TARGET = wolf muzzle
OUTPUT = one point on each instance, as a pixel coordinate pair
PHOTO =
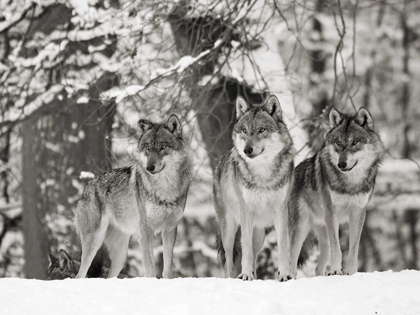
(251, 153)
(152, 169)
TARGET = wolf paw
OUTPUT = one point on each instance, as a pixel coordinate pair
(246, 276)
(284, 278)
(335, 273)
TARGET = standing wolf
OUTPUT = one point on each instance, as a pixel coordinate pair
(146, 197)
(334, 186)
(251, 186)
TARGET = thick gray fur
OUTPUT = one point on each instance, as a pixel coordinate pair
(252, 185)
(144, 198)
(334, 186)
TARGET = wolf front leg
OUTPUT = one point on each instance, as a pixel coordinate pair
(357, 220)
(333, 237)
(281, 221)
(146, 246)
(228, 229)
(247, 229)
(168, 238)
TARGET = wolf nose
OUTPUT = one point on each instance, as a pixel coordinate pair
(248, 150)
(150, 168)
(342, 165)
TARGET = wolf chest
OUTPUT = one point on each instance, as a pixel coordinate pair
(345, 203)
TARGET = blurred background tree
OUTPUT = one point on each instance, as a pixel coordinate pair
(75, 76)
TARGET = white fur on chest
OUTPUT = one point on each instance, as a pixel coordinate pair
(165, 186)
(344, 203)
(263, 203)
(157, 214)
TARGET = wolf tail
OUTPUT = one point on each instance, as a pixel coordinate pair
(307, 249)
(236, 247)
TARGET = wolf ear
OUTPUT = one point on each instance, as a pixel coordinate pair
(336, 118)
(174, 125)
(144, 125)
(364, 119)
(64, 260)
(272, 107)
(241, 106)
(52, 259)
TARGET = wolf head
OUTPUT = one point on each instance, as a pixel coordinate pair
(62, 267)
(352, 141)
(158, 143)
(259, 131)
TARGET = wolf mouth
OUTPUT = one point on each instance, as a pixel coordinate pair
(254, 156)
(348, 169)
(154, 173)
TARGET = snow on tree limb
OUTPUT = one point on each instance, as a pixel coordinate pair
(184, 63)
(121, 93)
(19, 114)
(14, 18)
(49, 53)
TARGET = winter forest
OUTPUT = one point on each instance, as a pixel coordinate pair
(77, 75)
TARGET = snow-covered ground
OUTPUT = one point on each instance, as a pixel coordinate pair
(363, 293)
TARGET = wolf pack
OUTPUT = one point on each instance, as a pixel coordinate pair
(256, 185)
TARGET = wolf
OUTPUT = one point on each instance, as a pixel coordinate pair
(332, 187)
(146, 197)
(64, 266)
(252, 185)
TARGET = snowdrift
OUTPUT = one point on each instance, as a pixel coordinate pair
(363, 293)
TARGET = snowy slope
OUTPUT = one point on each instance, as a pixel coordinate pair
(363, 293)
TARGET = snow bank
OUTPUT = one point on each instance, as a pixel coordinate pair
(363, 293)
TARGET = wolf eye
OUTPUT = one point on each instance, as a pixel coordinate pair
(147, 147)
(262, 130)
(338, 143)
(163, 147)
(355, 142)
(243, 130)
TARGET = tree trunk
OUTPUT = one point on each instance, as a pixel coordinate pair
(318, 94)
(214, 104)
(57, 146)
(405, 97)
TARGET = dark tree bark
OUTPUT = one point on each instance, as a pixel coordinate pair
(215, 104)
(412, 218)
(57, 145)
(60, 140)
(4, 157)
(406, 89)
(319, 96)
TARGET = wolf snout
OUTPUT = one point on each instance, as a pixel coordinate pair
(248, 151)
(342, 165)
(155, 168)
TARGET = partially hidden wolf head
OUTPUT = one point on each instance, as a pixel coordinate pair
(62, 267)
(160, 144)
(352, 142)
(260, 132)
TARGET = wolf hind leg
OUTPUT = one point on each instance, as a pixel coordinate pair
(91, 242)
(168, 238)
(357, 220)
(298, 231)
(117, 244)
(257, 244)
(324, 250)
(146, 245)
